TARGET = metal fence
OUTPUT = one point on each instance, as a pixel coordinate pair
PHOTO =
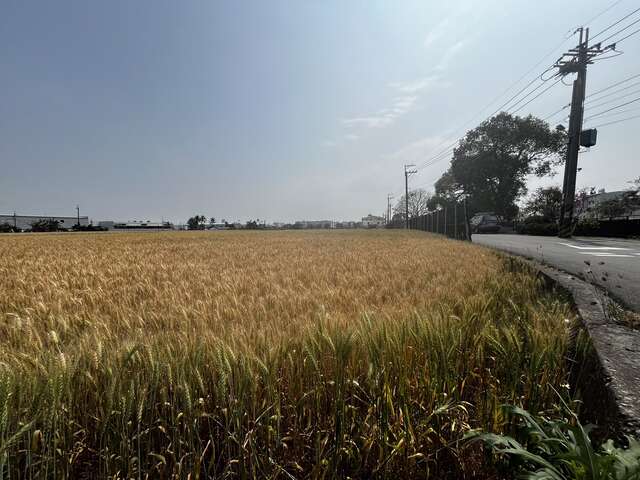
(450, 221)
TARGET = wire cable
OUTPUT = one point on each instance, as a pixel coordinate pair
(525, 97)
(436, 158)
(556, 112)
(444, 153)
(616, 121)
(612, 100)
(620, 31)
(602, 12)
(612, 114)
(613, 24)
(613, 93)
(630, 35)
(616, 107)
(509, 88)
(541, 93)
(612, 86)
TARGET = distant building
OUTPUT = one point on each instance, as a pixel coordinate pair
(588, 206)
(135, 225)
(373, 221)
(347, 224)
(308, 224)
(24, 222)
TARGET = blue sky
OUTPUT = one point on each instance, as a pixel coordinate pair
(279, 110)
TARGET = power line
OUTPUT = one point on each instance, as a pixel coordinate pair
(602, 12)
(614, 85)
(615, 92)
(620, 31)
(617, 121)
(612, 114)
(444, 153)
(541, 93)
(564, 40)
(630, 35)
(525, 97)
(427, 163)
(616, 107)
(614, 24)
(556, 112)
(612, 100)
(438, 156)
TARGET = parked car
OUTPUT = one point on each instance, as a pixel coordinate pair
(485, 222)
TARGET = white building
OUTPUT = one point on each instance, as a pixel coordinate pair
(135, 225)
(24, 222)
(373, 221)
(588, 206)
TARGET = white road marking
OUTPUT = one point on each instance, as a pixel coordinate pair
(592, 248)
(607, 254)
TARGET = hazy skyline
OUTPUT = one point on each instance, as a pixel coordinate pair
(273, 110)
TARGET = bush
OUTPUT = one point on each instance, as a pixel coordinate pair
(7, 228)
(537, 225)
(559, 450)
(47, 225)
(89, 228)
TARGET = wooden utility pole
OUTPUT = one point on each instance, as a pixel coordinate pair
(575, 61)
(407, 174)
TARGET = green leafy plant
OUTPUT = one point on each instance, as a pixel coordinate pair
(559, 450)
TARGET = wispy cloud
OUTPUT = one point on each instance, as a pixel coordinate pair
(407, 94)
(400, 106)
(448, 55)
(449, 27)
(418, 150)
(417, 85)
(437, 32)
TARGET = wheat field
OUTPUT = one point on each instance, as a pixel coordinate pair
(318, 354)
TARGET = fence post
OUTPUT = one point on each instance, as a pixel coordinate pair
(445, 221)
(455, 219)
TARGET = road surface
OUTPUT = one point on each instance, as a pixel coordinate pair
(611, 263)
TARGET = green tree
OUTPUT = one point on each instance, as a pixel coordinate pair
(7, 228)
(46, 225)
(544, 203)
(418, 204)
(492, 161)
(197, 222)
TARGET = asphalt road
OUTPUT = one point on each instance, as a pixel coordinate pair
(611, 263)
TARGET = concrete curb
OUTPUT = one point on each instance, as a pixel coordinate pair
(610, 387)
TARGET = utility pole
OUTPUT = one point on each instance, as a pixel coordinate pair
(407, 174)
(575, 61)
(78, 210)
(389, 198)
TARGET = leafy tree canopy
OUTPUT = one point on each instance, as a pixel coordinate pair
(197, 222)
(544, 203)
(492, 161)
(418, 204)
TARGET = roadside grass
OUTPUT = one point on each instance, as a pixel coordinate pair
(266, 354)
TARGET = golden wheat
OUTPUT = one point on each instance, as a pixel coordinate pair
(263, 354)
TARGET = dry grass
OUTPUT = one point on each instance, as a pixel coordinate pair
(253, 355)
